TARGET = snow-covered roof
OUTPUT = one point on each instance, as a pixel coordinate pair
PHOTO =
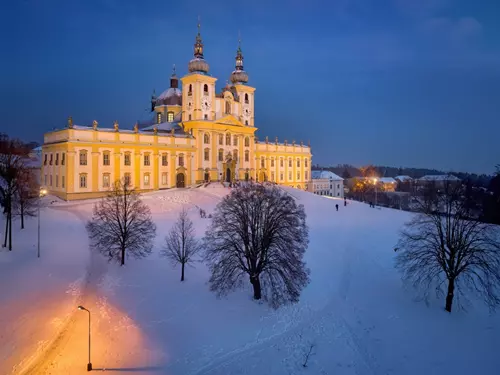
(325, 175)
(387, 180)
(442, 177)
(403, 178)
(169, 93)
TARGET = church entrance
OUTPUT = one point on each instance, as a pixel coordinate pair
(180, 180)
(246, 176)
(228, 175)
(207, 176)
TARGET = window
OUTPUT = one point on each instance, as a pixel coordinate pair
(45, 159)
(205, 89)
(290, 163)
(207, 154)
(127, 179)
(57, 159)
(281, 162)
(205, 117)
(158, 118)
(246, 98)
(262, 162)
(62, 180)
(281, 176)
(83, 158)
(228, 139)
(272, 176)
(298, 175)
(105, 158)
(228, 107)
(221, 154)
(164, 178)
(246, 122)
(298, 163)
(235, 140)
(50, 162)
(305, 162)
(206, 139)
(181, 160)
(338, 186)
(83, 180)
(146, 179)
(126, 161)
(190, 91)
(147, 162)
(289, 175)
(170, 116)
(105, 180)
(221, 139)
(57, 181)
(306, 175)
(247, 155)
(272, 162)
(164, 160)
(235, 155)
(189, 117)
(247, 142)
(63, 158)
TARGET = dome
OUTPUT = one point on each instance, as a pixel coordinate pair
(171, 96)
(239, 76)
(198, 65)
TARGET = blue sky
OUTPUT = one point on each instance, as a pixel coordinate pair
(393, 82)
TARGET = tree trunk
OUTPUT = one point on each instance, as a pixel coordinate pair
(6, 230)
(449, 296)
(182, 272)
(22, 215)
(123, 256)
(10, 230)
(256, 287)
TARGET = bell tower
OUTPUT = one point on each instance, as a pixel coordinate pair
(198, 102)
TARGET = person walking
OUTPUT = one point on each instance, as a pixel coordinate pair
(337, 207)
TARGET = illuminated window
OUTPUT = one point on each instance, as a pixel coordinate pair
(127, 180)
(247, 155)
(105, 158)
(158, 118)
(83, 157)
(83, 180)
(206, 139)
(170, 116)
(126, 160)
(298, 175)
(105, 180)
(164, 178)
(164, 160)
(146, 179)
(207, 154)
(147, 162)
(247, 142)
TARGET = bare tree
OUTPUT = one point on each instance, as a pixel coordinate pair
(181, 244)
(12, 156)
(441, 247)
(27, 196)
(121, 224)
(258, 231)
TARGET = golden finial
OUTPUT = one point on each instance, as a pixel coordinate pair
(115, 125)
(94, 124)
(70, 122)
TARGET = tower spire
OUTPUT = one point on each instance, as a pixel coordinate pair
(198, 64)
(239, 75)
(174, 81)
(198, 45)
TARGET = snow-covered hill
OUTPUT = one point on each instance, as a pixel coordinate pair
(354, 317)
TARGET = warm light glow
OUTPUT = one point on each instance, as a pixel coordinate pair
(43, 192)
(375, 180)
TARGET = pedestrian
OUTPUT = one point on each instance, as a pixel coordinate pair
(345, 203)
(337, 207)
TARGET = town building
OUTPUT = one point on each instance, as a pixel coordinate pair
(437, 181)
(326, 183)
(194, 135)
(386, 183)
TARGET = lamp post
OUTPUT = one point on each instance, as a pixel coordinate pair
(376, 195)
(40, 195)
(89, 365)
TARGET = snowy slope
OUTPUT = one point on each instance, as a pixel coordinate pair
(354, 317)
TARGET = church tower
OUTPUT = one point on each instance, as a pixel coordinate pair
(239, 79)
(198, 101)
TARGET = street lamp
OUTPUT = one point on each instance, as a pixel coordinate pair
(89, 365)
(41, 194)
(376, 196)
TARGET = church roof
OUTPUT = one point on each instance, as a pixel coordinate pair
(171, 96)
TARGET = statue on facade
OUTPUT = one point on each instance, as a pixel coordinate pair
(115, 125)
(256, 139)
(286, 142)
(70, 122)
(94, 125)
(293, 142)
(155, 130)
(267, 140)
(276, 140)
(301, 143)
(172, 131)
(136, 128)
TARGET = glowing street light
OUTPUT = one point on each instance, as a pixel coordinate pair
(376, 195)
(89, 365)
(41, 194)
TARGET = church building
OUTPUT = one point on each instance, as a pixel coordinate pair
(195, 135)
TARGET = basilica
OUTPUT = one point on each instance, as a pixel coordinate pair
(195, 135)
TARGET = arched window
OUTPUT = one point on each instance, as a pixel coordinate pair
(170, 116)
(207, 154)
(221, 139)
(246, 122)
(228, 107)
(205, 89)
(190, 91)
(221, 154)
(247, 142)
(305, 163)
(246, 98)
(228, 139)
(247, 155)
(206, 138)
(83, 157)
(181, 160)
(105, 158)
(298, 163)
(235, 155)
(158, 118)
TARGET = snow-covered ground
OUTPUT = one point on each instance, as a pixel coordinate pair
(354, 317)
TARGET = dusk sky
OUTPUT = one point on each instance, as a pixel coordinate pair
(412, 83)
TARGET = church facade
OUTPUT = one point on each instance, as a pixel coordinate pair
(194, 135)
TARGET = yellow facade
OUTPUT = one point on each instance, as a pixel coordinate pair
(198, 136)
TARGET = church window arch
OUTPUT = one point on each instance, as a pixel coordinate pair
(206, 138)
(221, 139)
(170, 116)
(228, 139)
(247, 142)
(235, 155)
(190, 90)
(246, 98)
(221, 154)
(205, 89)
